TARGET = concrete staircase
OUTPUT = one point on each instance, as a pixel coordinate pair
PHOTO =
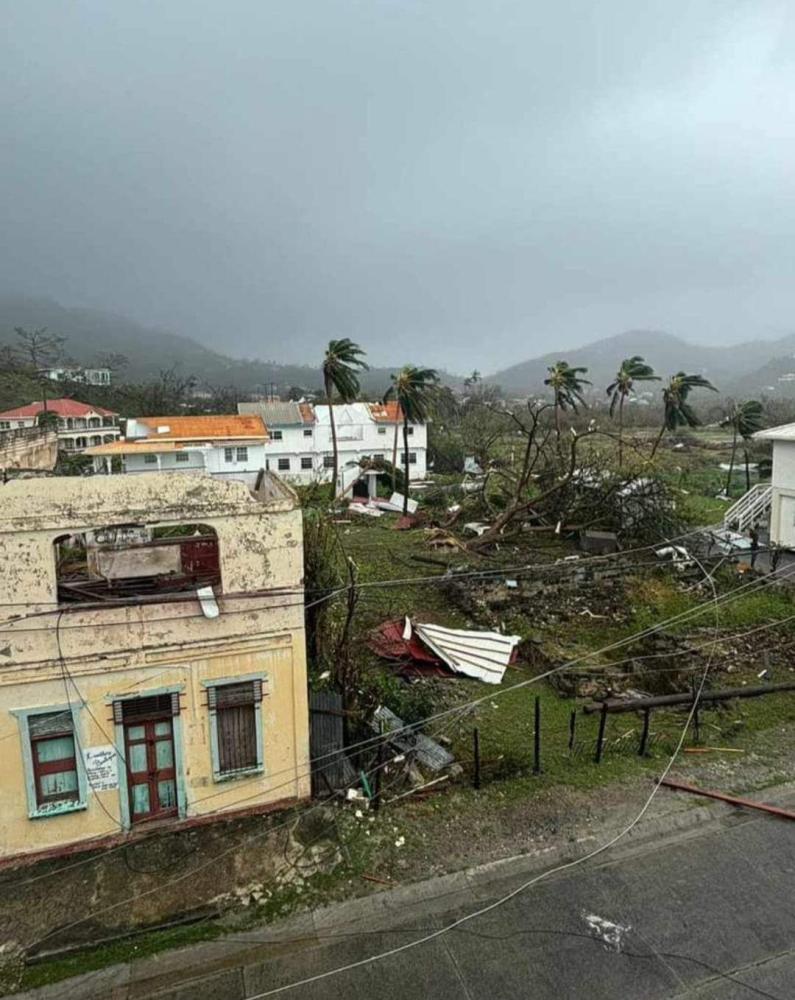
(752, 506)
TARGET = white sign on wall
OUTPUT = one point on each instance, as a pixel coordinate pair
(101, 768)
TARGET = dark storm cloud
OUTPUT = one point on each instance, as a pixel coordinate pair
(452, 182)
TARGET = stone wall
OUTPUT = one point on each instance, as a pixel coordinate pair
(29, 448)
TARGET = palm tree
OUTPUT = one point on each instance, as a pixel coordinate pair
(745, 419)
(341, 366)
(631, 370)
(567, 385)
(414, 389)
(677, 412)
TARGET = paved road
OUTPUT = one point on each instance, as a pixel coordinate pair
(706, 915)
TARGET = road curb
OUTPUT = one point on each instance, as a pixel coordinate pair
(168, 976)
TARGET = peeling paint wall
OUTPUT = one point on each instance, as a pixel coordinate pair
(51, 654)
(29, 448)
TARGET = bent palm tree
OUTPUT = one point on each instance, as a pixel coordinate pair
(414, 389)
(631, 370)
(567, 385)
(341, 366)
(677, 412)
(745, 419)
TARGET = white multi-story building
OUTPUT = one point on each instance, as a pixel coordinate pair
(227, 447)
(80, 425)
(92, 376)
(300, 447)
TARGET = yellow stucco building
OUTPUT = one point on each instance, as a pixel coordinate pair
(152, 656)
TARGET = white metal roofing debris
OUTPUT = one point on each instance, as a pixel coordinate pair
(484, 655)
(428, 751)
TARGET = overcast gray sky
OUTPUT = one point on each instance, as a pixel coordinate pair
(452, 182)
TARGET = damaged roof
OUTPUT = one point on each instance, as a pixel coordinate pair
(76, 502)
(278, 414)
(61, 407)
(181, 428)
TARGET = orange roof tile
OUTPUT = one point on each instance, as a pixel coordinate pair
(388, 412)
(204, 428)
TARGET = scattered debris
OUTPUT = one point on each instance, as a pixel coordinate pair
(678, 554)
(610, 933)
(427, 751)
(389, 641)
(599, 542)
(477, 527)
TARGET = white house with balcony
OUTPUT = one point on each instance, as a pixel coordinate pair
(300, 446)
(772, 504)
(227, 447)
(80, 425)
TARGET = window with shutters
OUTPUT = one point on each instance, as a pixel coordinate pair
(284, 465)
(306, 462)
(235, 728)
(53, 769)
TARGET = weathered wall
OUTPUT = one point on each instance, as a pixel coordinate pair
(28, 448)
(51, 655)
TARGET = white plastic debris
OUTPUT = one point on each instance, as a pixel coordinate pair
(208, 603)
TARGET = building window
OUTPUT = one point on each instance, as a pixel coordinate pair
(379, 458)
(150, 459)
(235, 727)
(277, 435)
(183, 456)
(412, 458)
(307, 432)
(284, 465)
(382, 430)
(306, 463)
(229, 454)
(328, 461)
(54, 774)
(147, 725)
(20, 423)
(52, 748)
(5, 425)
(242, 454)
(410, 430)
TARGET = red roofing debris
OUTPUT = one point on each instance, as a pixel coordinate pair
(387, 641)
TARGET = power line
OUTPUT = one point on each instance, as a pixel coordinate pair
(527, 884)
(459, 710)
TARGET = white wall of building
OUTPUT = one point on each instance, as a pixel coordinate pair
(306, 457)
(238, 461)
(782, 510)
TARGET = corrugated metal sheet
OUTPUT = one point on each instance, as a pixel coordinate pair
(484, 655)
(330, 766)
(427, 751)
(275, 414)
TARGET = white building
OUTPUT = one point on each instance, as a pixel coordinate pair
(227, 447)
(770, 504)
(80, 425)
(300, 445)
(91, 376)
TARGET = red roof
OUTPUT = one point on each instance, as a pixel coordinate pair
(61, 407)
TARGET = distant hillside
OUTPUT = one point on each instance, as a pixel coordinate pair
(726, 367)
(92, 333)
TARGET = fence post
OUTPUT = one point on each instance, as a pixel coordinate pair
(537, 737)
(476, 754)
(380, 759)
(572, 727)
(644, 736)
(600, 739)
